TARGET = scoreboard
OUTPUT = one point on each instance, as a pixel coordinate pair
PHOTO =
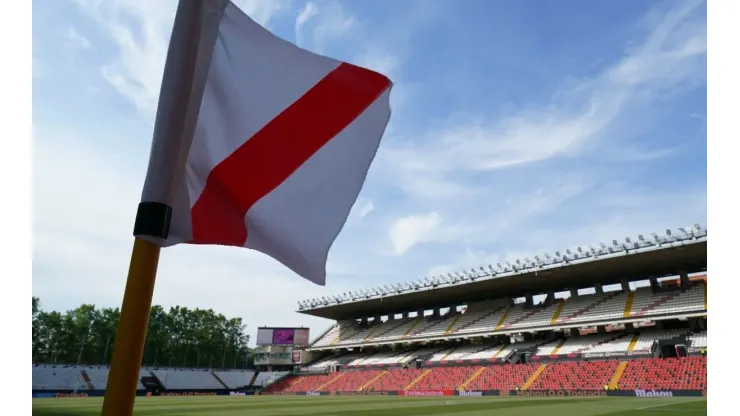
(282, 336)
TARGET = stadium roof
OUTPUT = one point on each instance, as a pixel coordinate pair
(668, 258)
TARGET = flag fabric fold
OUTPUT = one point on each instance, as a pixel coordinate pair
(280, 151)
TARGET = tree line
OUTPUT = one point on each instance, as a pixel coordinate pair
(178, 337)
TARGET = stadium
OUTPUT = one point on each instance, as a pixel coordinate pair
(618, 329)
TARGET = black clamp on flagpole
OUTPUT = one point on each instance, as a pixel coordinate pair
(153, 219)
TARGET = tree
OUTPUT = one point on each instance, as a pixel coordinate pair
(175, 337)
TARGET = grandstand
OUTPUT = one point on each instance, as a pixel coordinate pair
(66, 378)
(524, 326)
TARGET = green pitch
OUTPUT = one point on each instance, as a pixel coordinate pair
(385, 406)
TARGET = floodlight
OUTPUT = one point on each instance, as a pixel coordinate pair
(615, 243)
(668, 231)
(568, 252)
(557, 254)
(628, 240)
(580, 249)
(490, 268)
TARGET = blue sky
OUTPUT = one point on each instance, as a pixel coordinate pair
(518, 128)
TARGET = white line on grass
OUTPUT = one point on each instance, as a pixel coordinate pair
(664, 405)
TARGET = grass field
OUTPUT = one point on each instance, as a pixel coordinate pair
(385, 406)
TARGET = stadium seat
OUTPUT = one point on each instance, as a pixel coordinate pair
(396, 379)
(445, 378)
(57, 377)
(235, 378)
(503, 377)
(687, 373)
(575, 375)
(353, 380)
(187, 379)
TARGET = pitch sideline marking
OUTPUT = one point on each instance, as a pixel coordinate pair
(664, 404)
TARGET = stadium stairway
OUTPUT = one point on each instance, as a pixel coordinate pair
(522, 318)
(558, 311)
(338, 337)
(328, 383)
(373, 380)
(459, 315)
(444, 357)
(151, 373)
(418, 379)
(288, 384)
(527, 384)
(558, 347)
(500, 350)
(254, 378)
(614, 382)
(575, 375)
(628, 304)
(87, 380)
(472, 378)
(502, 377)
(501, 321)
(652, 305)
(372, 332)
(480, 318)
(396, 379)
(603, 299)
(353, 380)
(633, 343)
(391, 328)
(219, 379)
(414, 325)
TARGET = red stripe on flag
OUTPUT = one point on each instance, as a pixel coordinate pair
(269, 157)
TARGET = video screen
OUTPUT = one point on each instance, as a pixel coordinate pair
(283, 336)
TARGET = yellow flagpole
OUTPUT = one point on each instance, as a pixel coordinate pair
(194, 35)
(128, 348)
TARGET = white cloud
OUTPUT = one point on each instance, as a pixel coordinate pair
(367, 208)
(308, 11)
(75, 40)
(578, 117)
(327, 22)
(409, 231)
(140, 31)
